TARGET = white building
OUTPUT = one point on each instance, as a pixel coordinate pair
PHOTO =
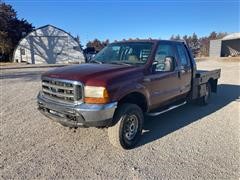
(227, 46)
(49, 45)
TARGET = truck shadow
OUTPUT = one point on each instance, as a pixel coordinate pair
(162, 125)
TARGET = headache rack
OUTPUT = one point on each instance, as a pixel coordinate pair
(62, 90)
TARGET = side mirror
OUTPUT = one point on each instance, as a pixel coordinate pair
(169, 63)
(154, 66)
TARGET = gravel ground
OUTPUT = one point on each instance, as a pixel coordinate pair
(187, 143)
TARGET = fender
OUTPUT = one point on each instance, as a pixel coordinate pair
(130, 87)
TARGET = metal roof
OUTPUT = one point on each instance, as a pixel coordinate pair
(232, 36)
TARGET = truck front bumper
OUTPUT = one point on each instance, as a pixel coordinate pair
(77, 115)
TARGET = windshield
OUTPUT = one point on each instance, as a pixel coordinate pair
(129, 53)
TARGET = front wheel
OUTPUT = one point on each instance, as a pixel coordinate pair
(128, 129)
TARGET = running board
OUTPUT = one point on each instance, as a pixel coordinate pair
(166, 110)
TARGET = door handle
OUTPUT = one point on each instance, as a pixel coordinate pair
(179, 74)
(147, 80)
(181, 71)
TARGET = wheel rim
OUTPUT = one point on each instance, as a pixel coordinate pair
(130, 127)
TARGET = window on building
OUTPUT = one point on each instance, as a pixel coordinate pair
(22, 51)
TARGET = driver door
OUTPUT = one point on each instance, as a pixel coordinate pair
(164, 85)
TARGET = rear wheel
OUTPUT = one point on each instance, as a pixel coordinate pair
(206, 98)
(128, 129)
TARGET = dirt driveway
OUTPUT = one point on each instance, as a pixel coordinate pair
(189, 142)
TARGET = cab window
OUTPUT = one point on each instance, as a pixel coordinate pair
(162, 52)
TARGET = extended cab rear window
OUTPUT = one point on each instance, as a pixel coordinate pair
(183, 56)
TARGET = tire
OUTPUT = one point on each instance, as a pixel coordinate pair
(205, 99)
(128, 129)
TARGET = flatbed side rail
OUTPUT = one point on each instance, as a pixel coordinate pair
(200, 80)
(204, 76)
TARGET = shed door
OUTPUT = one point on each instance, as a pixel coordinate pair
(49, 49)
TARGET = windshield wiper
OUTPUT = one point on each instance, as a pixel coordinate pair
(94, 61)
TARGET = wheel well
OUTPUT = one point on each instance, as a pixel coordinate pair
(213, 84)
(135, 98)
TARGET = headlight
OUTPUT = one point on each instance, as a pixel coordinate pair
(95, 95)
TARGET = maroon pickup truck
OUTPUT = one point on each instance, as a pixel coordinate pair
(121, 84)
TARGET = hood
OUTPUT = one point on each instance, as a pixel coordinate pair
(94, 74)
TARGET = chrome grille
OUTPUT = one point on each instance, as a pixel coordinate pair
(62, 90)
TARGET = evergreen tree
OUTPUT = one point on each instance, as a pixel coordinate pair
(12, 30)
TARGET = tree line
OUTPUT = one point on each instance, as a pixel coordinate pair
(97, 44)
(199, 45)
